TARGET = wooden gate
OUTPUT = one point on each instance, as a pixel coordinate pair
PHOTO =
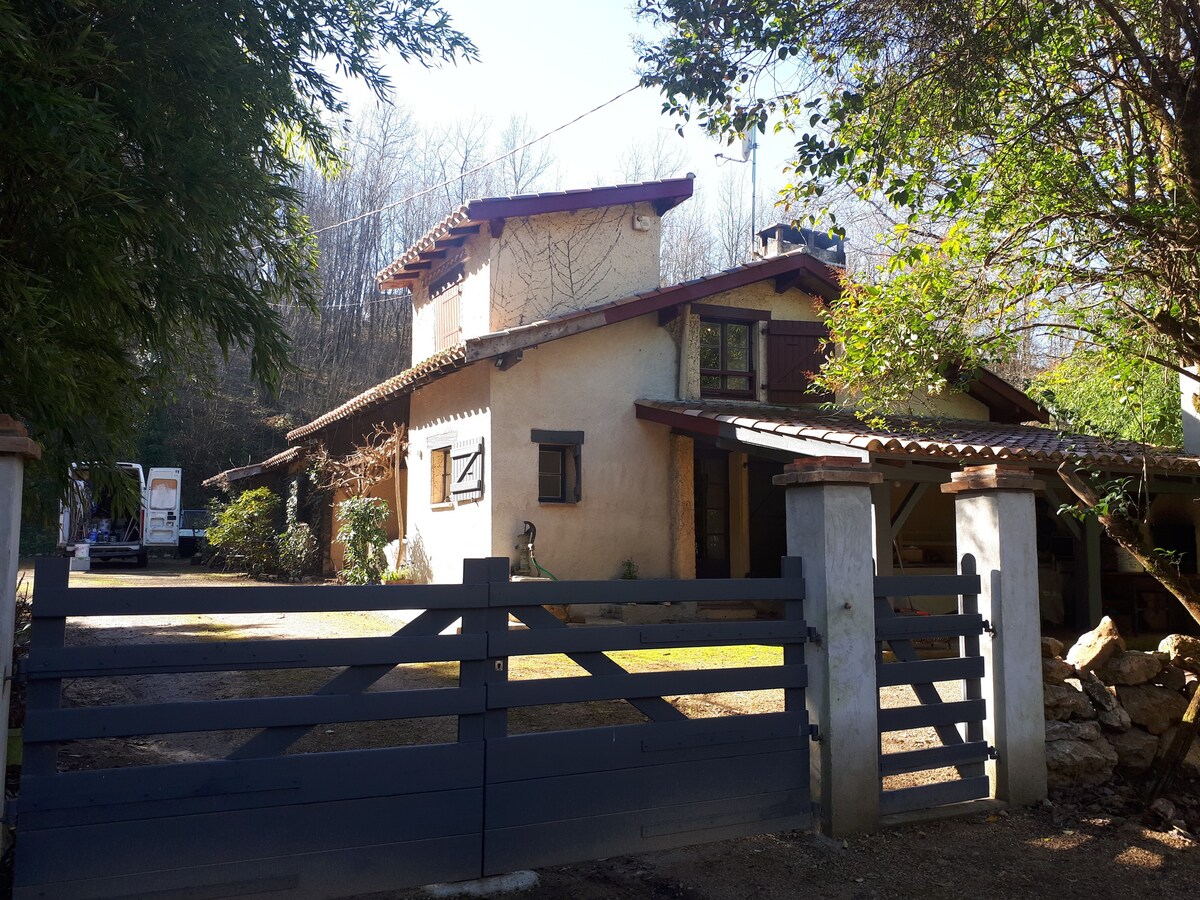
(956, 739)
(270, 821)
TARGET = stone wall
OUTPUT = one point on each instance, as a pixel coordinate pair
(1112, 710)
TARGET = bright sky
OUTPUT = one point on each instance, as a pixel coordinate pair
(551, 60)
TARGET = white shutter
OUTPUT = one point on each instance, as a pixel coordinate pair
(466, 482)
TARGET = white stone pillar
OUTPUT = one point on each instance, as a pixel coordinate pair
(15, 446)
(829, 528)
(996, 526)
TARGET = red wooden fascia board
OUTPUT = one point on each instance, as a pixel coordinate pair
(693, 424)
(673, 192)
(706, 287)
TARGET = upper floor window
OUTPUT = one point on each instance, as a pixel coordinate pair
(726, 358)
(446, 295)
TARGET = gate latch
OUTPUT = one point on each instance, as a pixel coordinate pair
(814, 636)
(814, 733)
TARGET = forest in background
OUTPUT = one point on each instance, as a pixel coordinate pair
(218, 417)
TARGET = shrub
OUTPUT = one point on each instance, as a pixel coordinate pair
(363, 537)
(297, 550)
(243, 532)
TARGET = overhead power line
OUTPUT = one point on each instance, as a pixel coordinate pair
(469, 172)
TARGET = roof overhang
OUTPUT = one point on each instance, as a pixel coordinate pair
(813, 432)
(470, 218)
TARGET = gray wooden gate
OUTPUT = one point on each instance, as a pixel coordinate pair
(266, 822)
(963, 750)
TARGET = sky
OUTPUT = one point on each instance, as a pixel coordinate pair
(550, 60)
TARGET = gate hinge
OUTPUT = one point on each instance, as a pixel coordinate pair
(814, 733)
(989, 628)
(21, 671)
(814, 636)
(992, 754)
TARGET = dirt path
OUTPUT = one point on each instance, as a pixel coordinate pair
(1084, 845)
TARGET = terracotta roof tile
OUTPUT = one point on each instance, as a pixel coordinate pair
(433, 367)
(938, 438)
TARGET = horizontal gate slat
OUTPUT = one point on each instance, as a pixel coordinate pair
(203, 601)
(219, 656)
(542, 593)
(932, 714)
(913, 628)
(625, 746)
(167, 842)
(505, 695)
(925, 585)
(557, 843)
(641, 637)
(186, 788)
(613, 790)
(932, 758)
(927, 671)
(927, 796)
(265, 712)
(315, 876)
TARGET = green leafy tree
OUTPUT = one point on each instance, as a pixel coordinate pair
(148, 151)
(1042, 158)
(1114, 396)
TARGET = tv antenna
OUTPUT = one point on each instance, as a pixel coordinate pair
(749, 153)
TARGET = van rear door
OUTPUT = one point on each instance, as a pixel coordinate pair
(162, 508)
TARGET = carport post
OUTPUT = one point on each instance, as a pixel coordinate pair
(829, 527)
(15, 446)
(995, 524)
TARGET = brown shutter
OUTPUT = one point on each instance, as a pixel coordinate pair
(794, 354)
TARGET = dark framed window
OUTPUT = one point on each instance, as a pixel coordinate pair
(552, 474)
(726, 358)
(560, 465)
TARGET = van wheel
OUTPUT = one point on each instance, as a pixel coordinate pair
(142, 559)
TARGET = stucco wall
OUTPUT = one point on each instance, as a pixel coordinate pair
(589, 383)
(440, 538)
(549, 264)
(473, 256)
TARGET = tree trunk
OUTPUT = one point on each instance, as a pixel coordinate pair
(1126, 534)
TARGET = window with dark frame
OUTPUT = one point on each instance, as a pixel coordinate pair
(560, 465)
(552, 474)
(726, 359)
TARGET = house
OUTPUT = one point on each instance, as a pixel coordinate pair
(557, 383)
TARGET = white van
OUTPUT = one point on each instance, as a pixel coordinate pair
(89, 518)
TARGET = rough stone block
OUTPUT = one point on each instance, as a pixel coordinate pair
(1095, 647)
(1072, 731)
(1171, 677)
(1130, 667)
(1051, 647)
(1109, 712)
(1154, 708)
(1063, 702)
(1135, 749)
(1183, 651)
(1079, 763)
(1055, 671)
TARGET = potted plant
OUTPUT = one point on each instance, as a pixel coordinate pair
(402, 574)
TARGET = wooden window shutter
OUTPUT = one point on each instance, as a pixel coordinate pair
(794, 354)
(466, 458)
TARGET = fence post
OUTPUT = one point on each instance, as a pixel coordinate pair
(15, 448)
(829, 527)
(492, 723)
(995, 525)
